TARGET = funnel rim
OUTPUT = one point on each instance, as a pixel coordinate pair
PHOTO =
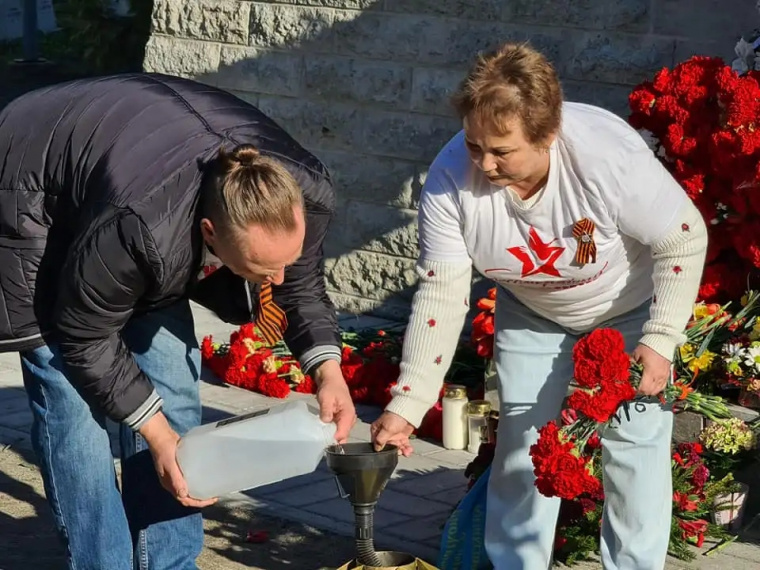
(367, 449)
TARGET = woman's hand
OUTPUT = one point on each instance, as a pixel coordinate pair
(656, 373)
(392, 429)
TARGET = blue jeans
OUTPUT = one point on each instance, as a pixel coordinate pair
(533, 358)
(142, 527)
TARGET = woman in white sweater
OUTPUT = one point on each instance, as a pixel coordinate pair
(514, 194)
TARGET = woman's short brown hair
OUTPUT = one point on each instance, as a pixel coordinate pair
(242, 188)
(515, 81)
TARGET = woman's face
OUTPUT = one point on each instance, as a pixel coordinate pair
(506, 158)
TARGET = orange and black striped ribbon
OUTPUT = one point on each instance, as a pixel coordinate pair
(583, 231)
(271, 320)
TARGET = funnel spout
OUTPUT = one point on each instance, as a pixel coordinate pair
(365, 533)
(362, 474)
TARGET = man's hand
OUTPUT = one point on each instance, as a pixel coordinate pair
(162, 441)
(392, 428)
(335, 404)
(656, 373)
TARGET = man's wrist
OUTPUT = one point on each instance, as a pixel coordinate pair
(157, 429)
(312, 358)
(150, 406)
(328, 371)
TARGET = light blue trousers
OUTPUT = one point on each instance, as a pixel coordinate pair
(533, 358)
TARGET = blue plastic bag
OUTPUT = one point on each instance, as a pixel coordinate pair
(463, 540)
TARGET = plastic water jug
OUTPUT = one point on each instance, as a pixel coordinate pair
(253, 450)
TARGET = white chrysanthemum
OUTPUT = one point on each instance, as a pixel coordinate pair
(752, 357)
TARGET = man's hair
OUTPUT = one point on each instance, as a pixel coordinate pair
(243, 188)
(513, 82)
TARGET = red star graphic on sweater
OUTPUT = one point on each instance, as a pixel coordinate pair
(546, 253)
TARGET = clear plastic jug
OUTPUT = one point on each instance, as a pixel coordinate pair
(252, 450)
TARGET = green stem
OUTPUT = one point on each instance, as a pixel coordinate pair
(721, 545)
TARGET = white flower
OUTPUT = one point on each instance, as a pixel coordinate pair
(740, 66)
(733, 356)
(744, 49)
(733, 351)
(752, 357)
(745, 52)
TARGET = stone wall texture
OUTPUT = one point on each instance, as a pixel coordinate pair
(364, 85)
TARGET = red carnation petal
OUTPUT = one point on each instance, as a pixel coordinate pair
(257, 537)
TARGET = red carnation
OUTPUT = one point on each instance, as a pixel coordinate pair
(207, 348)
(306, 386)
(272, 386)
(600, 356)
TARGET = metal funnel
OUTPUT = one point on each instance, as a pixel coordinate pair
(362, 472)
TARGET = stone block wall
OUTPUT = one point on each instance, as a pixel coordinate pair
(364, 85)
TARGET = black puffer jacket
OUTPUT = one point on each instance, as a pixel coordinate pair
(99, 211)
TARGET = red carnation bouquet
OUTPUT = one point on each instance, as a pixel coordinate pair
(694, 493)
(606, 380)
(701, 118)
(248, 362)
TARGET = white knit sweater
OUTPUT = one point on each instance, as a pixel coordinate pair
(651, 243)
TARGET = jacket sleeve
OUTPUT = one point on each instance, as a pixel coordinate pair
(312, 334)
(104, 276)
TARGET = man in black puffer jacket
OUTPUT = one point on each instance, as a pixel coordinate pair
(114, 193)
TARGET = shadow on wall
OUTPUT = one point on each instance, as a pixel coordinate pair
(345, 109)
(371, 101)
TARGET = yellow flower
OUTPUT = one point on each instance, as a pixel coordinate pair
(702, 362)
(734, 368)
(746, 297)
(700, 311)
(687, 351)
(755, 332)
